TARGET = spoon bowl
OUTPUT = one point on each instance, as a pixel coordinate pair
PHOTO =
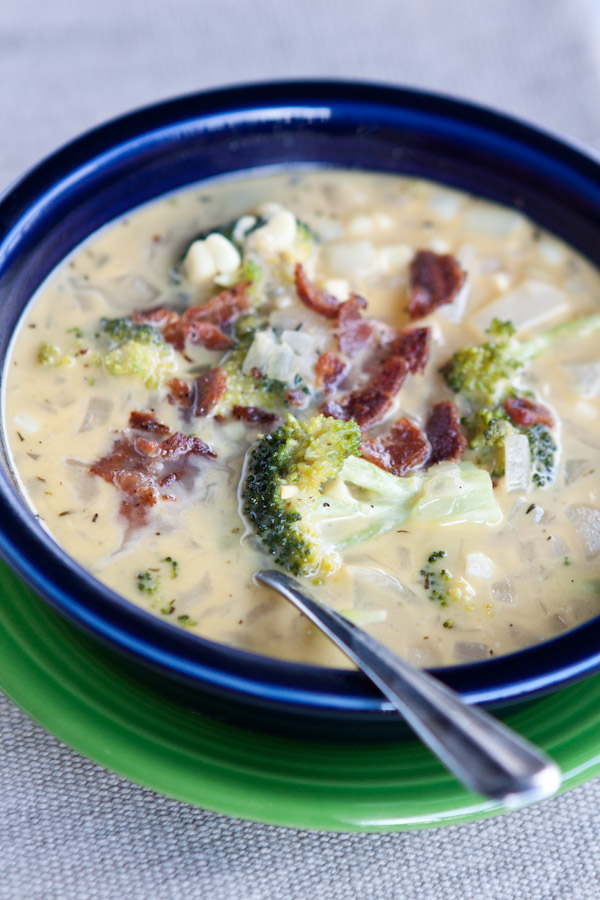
(486, 756)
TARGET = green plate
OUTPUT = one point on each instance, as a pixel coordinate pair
(83, 695)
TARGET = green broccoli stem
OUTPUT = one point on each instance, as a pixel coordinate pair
(579, 328)
(448, 494)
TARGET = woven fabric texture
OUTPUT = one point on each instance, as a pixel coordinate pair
(68, 829)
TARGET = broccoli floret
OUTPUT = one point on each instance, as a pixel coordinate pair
(442, 586)
(150, 361)
(247, 390)
(173, 566)
(487, 430)
(251, 273)
(309, 495)
(149, 581)
(306, 233)
(51, 356)
(247, 326)
(543, 451)
(479, 372)
(137, 350)
(121, 330)
(286, 472)
(480, 376)
(306, 242)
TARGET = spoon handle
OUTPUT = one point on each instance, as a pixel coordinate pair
(485, 755)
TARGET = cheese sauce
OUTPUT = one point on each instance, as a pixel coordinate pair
(529, 577)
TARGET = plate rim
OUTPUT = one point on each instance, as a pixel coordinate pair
(63, 703)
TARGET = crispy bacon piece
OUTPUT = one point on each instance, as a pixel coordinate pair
(413, 346)
(435, 279)
(330, 370)
(201, 395)
(199, 324)
(196, 332)
(326, 304)
(223, 308)
(368, 405)
(254, 415)
(156, 315)
(295, 397)
(315, 298)
(208, 390)
(525, 413)
(180, 393)
(444, 434)
(353, 332)
(146, 421)
(403, 449)
(141, 469)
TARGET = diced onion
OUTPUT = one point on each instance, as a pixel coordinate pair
(439, 245)
(134, 289)
(97, 413)
(281, 363)
(493, 221)
(330, 229)
(351, 258)
(503, 591)
(517, 463)
(529, 305)
(502, 281)
(469, 650)
(299, 341)
(479, 565)
(585, 378)
(455, 312)
(339, 287)
(383, 221)
(586, 522)
(446, 204)
(578, 468)
(394, 257)
(557, 547)
(26, 423)
(288, 358)
(360, 225)
(552, 251)
(585, 409)
(260, 351)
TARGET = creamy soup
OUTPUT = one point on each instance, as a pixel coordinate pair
(151, 503)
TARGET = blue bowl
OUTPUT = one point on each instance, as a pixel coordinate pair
(138, 157)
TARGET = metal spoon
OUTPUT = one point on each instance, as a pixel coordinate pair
(485, 755)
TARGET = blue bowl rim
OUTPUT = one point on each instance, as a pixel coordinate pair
(33, 554)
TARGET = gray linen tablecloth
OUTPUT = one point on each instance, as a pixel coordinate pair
(68, 829)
